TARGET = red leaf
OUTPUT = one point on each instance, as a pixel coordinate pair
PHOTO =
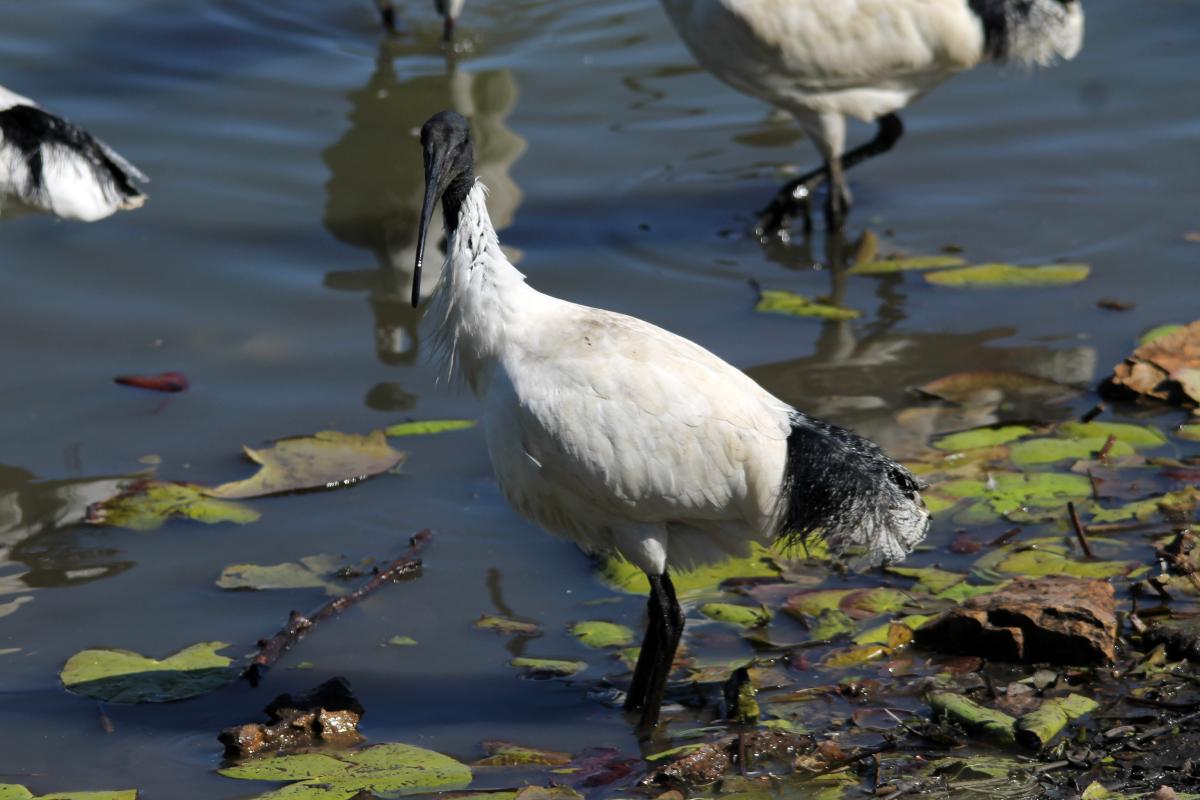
(163, 382)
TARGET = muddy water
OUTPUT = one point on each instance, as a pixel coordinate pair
(271, 266)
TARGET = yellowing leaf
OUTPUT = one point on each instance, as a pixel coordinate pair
(889, 265)
(326, 460)
(990, 276)
(146, 505)
(548, 666)
(120, 676)
(777, 301)
(428, 426)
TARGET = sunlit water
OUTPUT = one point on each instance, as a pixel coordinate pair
(272, 265)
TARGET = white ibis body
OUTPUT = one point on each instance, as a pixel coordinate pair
(449, 10)
(822, 61)
(623, 437)
(48, 164)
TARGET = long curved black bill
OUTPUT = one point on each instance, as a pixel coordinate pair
(435, 174)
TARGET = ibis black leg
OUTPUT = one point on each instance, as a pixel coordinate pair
(663, 632)
(796, 195)
(387, 14)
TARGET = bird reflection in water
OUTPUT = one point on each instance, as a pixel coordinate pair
(862, 370)
(374, 193)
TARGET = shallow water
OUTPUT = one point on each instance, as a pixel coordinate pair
(271, 266)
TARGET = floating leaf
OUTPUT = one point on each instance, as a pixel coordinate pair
(392, 770)
(13, 791)
(598, 634)
(895, 633)
(987, 387)
(401, 641)
(428, 426)
(854, 656)
(890, 265)
(777, 301)
(1047, 451)
(830, 624)
(972, 716)
(1048, 559)
(988, 276)
(508, 754)
(325, 460)
(509, 626)
(312, 572)
(1158, 332)
(1189, 432)
(982, 437)
(931, 579)
(163, 382)
(1138, 436)
(120, 676)
(1036, 729)
(145, 505)
(1006, 492)
(742, 616)
(548, 666)
(623, 576)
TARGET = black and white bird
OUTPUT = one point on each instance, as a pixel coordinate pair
(49, 164)
(822, 61)
(623, 437)
(449, 9)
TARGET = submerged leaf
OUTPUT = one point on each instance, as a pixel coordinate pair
(1009, 275)
(598, 634)
(548, 666)
(428, 426)
(777, 301)
(889, 265)
(509, 626)
(145, 505)
(508, 754)
(121, 676)
(988, 387)
(325, 460)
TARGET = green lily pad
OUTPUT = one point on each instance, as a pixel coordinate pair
(598, 634)
(392, 770)
(13, 791)
(1050, 559)
(120, 676)
(1010, 491)
(930, 579)
(619, 574)
(146, 505)
(1009, 275)
(1143, 510)
(401, 641)
(1189, 432)
(508, 754)
(1046, 451)
(1138, 436)
(856, 655)
(428, 426)
(777, 301)
(982, 437)
(325, 460)
(890, 265)
(509, 626)
(886, 633)
(548, 666)
(1158, 332)
(311, 572)
(830, 624)
(742, 616)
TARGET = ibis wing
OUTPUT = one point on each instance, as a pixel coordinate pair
(646, 425)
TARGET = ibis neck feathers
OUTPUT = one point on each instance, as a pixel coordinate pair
(481, 296)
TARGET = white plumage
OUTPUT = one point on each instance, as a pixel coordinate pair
(48, 164)
(823, 61)
(623, 437)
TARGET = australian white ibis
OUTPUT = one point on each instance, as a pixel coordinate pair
(449, 9)
(822, 61)
(49, 164)
(623, 437)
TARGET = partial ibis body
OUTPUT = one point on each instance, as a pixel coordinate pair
(824, 60)
(48, 164)
(449, 10)
(625, 438)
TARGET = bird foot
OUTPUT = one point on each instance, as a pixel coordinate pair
(794, 199)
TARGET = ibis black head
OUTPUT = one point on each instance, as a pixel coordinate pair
(449, 175)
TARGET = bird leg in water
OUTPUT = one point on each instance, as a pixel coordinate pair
(796, 194)
(387, 14)
(663, 632)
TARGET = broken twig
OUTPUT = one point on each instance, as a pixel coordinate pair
(1080, 531)
(298, 625)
